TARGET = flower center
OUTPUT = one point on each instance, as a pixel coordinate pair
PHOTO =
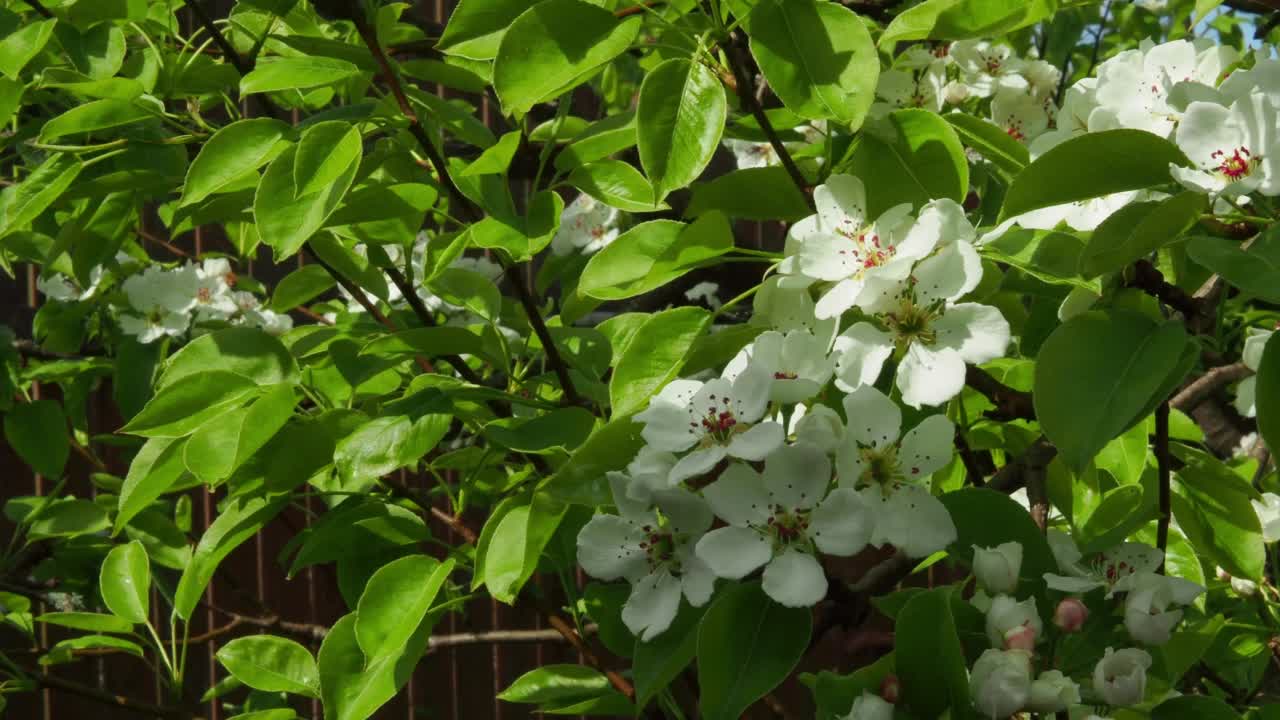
(785, 375)
(880, 466)
(992, 64)
(868, 250)
(718, 423)
(1013, 128)
(659, 545)
(788, 527)
(912, 322)
(1236, 165)
(204, 295)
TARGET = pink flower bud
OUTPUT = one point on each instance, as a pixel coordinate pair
(890, 687)
(1022, 637)
(1070, 615)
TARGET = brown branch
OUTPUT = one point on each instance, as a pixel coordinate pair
(1151, 281)
(1016, 472)
(1197, 391)
(572, 637)
(41, 9)
(162, 243)
(973, 470)
(229, 53)
(636, 9)
(28, 348)
(1163, 478)
(1010, 404)
(410, 295)
(122, 702)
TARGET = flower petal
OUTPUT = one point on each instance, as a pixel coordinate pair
(873, 420)
(756, 443)
(739, 496)
(927, 447)
(861, 352)
(696, 463)
(653, 604)
(734, 552)
(796, 476)
(841, 524)
(609, 548)
(930, 375)
(795, 579)
(978, 332)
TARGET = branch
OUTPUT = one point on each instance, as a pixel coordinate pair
(54, 682)
(1010, 404)
(737, 63)
(41, 9)
(28, 348)
(1151, 281)
(1016, 472)
(1199, 390)
(410, 295)
(233, 57)
(468, 210)
(973, 469)
(1163, 473)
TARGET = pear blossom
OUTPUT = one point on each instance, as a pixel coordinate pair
(1268, 510)
(986, 67)
(57, 286)
(997, 568)
(1013, 625)
(1042, 77)
(1023, 117)
(1070, 615)
(1134, 86)
(652, 548)
(1115, 569)
(784, 305)
(1072, 119)
(711, 420)
(870, 707)
(163, 300)
(797, 361)
(706, 292)
(913, 88)
(272, 322)
(818, 425)
(213, 299)
(1120, 677)
(1235, 150)
(1246, 392)
(1052, 692)
(892, 472)
(1147, 616)
(779, 519)
(586, 225)
(1000, 682)
(751, 154)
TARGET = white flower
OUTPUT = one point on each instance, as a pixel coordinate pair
(1234, 150)
(1268, 510)
(914, 89)
(164, 298)
(706, 292)
(1013, 625)
(245, 301)
(1246, 392)
(780, 519)
(1147, 616)
(1043, 77)
(586, 225)
(1053, 692)
(653, 551)
(57, 286)
(1243, 587)
(1120, 677)
(213, 299)
(1134, 86)
(1072, 119)
(716, 419)
(272, 322)
(985, 67)
(1000, 682)
(1021, 116)
(840, 245)
(650, 472)
(797, 361)
(751, 154)
(954, 92)
(783, 303)
(997, 568)
(1116, 569)
(819, 426)
(870, 707)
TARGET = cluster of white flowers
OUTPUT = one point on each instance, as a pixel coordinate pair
(167, 301)
(456, 314)
(586, 226)
(790, 476)
(757, 154)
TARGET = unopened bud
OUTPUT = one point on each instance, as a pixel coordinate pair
(890, 688)
(1022, 637)
(1070, 615)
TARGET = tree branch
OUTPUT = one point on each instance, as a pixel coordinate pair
(122, 702)
(1151, 281)
(1200, 389)
(1163, 475)
(233, 57)
(1010, 404)
(41, 9)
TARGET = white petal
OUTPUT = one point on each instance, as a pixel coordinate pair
(734, 552)
(696, 463)
(872, 419)
(688, 513)
(756, 443)
(667, 427)
(750, 394)
(629, 503)
(653, 604)
(696, 579)
(739, 496)
(952, 272)
(914, 521)
(838, 299)
(930, 376)
(861, 352)
(927, 447)
(796, 476)
(795, 579)
(841, 203)
(978, 332)
(1069, 584)
(1246, 397)
(821, 427)
(1207, 128)
(842, 524)
(609, 548)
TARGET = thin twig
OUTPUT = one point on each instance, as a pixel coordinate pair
(122, 702)
(1163, 478)
(1200, 389)
(973, 469)
(41, 9)
(410, 295)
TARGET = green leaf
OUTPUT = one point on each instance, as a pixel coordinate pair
(609, 135)
(300, 287)
(928, 655)
(511, 551)
(178, 409)
(248, 352)
(818, 57)
(963, 19)
(991, 142)
(21, 44)
(271, 664)
(287, 220)
(617, 184)
(1194, 707)
(1096, 375)
(37, 431)
(125, 582)
(42, 187)
(581, 480)
(1267, 392)
(93, 642)
(239, 519)
(354, 690)
(653, 254)
(385, 444)
(765, 193)
(1047, 255)
(93, 117)
(1254, 271)
(230, 154)
(476, 27)
(90, 622)
(1202, 9)
(553, 46)
(1134, 160)
(987, 518)
(468, 289)
(680, 116)
(68, 517)
(223, 444)
(325, 151)
(11, 92)
(429, 342)
(289, 73)
(495, 160)
(654, 357)
(551, 683)
(563, 429)
(522, 238)
(1139, 229)
(657, 662)
(154, 470)
(922, 161)
(1212, 506)
(395, 601)
(1119, 514)
(359, 529)
(747, 645)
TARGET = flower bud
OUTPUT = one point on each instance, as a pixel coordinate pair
(955, 92)
(997, 568)
(870, 707)
(1244, 588)
(1147, 613)
(1120, 677)
(1012, 624)
(1070, 615)
(1000, 682)
(1052, 692)
(890, 688)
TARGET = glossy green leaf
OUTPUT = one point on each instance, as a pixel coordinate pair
(37, 431)
(1254, 271)
(90, 622)
(601, 139)
(299, 72)
(271, 664)
(987, 518)
(180, 408)
(963, 19)
(928, 656)
(1119, 514)
(352, 689)
(249, 352)
(386, 444)
(818, 57)
(301, 287)
(747, 645)
(617, 184)
(220, 446)
(40, 190)
(766, 193)
(394, 603)
(231, 153)
(581, 480)
(238, 520)
(657, 662)
(1194, 707)
(287, 220)
(991, 142)
(679, 119)
(654, 357)
(551, 683)
(23, 43)
(324, 153)
(125, 582)
(1137, 230)
(923, 160)
(653, 254)
(92, 117)
(563, 429)
(1212, 506)
(154, 470)
(476, 27)
(93, 642)
(68, 517)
